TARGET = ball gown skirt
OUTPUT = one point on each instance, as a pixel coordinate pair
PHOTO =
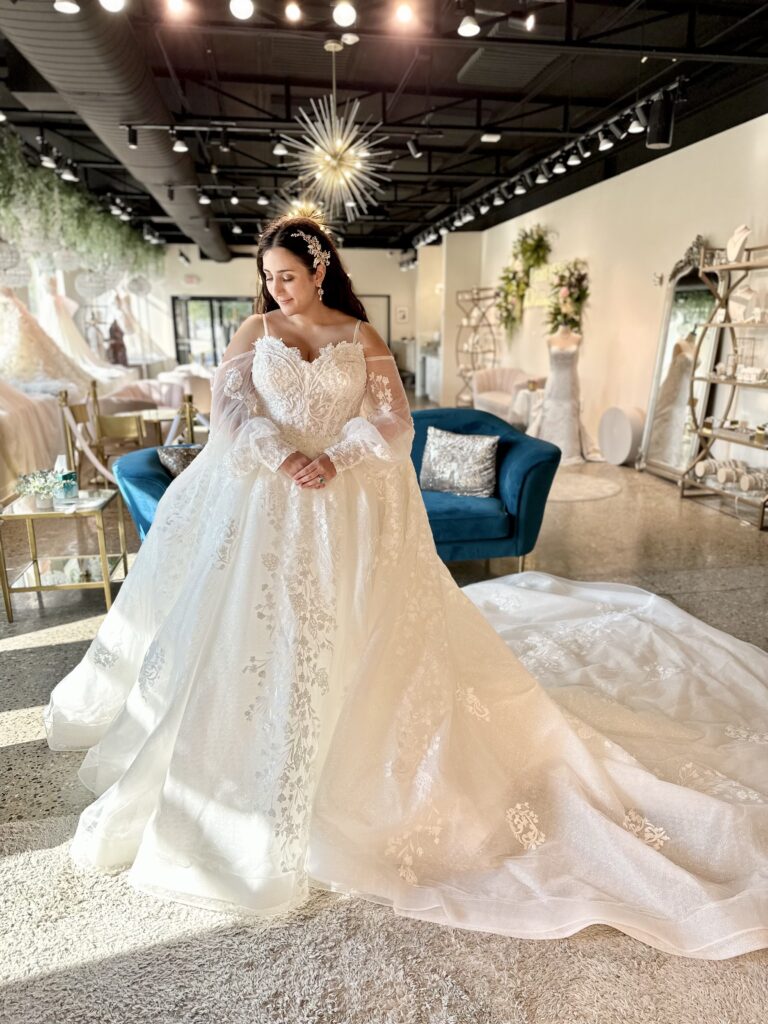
(291, 691)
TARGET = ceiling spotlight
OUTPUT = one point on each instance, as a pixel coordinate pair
(483, 207)
(133, 138)
(574, 160)
(176, 7)
(293, 12)
(639, 121)
(241, 9)
(497, 199)
(644, 60)
(520, 189)
(179, 144)
(527, 24)
(234, 198)
(442, 230)
(559, 167)
(413, 149)
(404, 14)
(113, 6)
(47, 156)
(490, 137)
(618, 129)
(115, 208)
(262, 200)
(280, 148)
(70, 172)
(605, 142)
(224, 141)
(344, 14)
(170, 193)
(584, 148)
(236, 229)
(541, 178)
(125, 215)
(66, 6)
(661, 122)
(530, 23)
(349, 38)
(203, 198)
(468, 27)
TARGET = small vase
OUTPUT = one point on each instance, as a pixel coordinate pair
(44, 502)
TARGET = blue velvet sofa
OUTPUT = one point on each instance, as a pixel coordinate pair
(506, 524)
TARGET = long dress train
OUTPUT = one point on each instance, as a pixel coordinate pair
(290, 690)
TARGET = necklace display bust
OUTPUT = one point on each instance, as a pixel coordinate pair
(564, 337)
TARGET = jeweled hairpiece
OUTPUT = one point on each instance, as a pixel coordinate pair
(316, 251)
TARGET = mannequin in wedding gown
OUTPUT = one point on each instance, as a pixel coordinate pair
(291, 691)
(669, 417)
(558, 417)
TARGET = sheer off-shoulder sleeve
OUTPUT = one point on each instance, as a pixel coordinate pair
(237, 418)
(384, 430)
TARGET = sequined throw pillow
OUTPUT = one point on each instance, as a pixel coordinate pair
(176, 457)
(460, 463)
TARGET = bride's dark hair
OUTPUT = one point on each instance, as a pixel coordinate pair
(337, 288)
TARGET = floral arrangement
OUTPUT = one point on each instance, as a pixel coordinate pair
(531, 250)
(570, 291)
(39, 211)
(42, 481)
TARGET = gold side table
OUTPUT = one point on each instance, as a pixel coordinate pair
(63, 572)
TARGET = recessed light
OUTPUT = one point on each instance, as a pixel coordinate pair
(490, 137)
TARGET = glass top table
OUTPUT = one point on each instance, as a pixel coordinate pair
(63, 572)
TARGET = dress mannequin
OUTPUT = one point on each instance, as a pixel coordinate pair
(558, 417)
(669, 417)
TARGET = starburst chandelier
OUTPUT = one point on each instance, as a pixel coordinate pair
(339, 162)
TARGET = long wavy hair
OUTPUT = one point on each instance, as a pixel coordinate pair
(337, 287)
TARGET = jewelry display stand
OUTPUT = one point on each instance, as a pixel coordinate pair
(740, 368)
(476, 339)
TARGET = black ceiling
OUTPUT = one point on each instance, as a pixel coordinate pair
(582, 65)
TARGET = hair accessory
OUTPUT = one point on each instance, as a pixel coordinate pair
(316, 251)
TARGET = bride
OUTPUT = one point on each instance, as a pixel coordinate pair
(291, 691)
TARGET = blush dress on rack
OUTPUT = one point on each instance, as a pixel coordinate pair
(291, 691)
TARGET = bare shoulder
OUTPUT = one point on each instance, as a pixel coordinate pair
(242, 340)
(372, 342)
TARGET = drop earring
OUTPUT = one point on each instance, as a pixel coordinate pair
(320, 292)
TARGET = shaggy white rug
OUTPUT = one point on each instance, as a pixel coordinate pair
(570, 484)
(83, 948)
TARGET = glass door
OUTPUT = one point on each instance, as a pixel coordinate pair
(204, 326)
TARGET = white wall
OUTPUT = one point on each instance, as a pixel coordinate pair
(627, 229)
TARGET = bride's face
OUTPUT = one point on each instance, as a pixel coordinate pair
(291, 285)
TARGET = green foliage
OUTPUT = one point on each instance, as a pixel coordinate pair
(531, 250)
(570, 291)
(38, 209)
(42, 481)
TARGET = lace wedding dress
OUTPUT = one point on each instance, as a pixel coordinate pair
(291, 691)
(558, 418)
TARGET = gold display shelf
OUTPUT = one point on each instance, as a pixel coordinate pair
(722, 324)
(732, 381)
(705, 490)
(733, 437)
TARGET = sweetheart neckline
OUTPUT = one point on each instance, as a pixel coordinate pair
(328, 347)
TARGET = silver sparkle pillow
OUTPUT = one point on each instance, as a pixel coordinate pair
(176, 457)
(460, 463)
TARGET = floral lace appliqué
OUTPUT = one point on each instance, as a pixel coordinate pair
(712, 782)
(469, 701)
(380, 390)
(408, 847)
(228, 535)
(151, 667)
(524, 824)
(638, 825)
(103, 656)
(233, 385)
(738, 732)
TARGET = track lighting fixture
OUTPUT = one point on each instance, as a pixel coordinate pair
(241, 9)
(574, 160)
(262, 201)
(224, 141)
(497, 199)
(293, 12)
(344, 14)
(520, 188)
(605, 143)
(69, 172)
(234, 197)
(490, 137)
(585, 148)
(468, 26)
(66, 6)
(133, 137)
(113, 6)
(404, 14)
(203, 198)
(542, 177)
(236, 229)
(413, 149)
(619, 130)
(179, 143)
(483, 207)
(661, 122)
(558, 166)
(170, 193)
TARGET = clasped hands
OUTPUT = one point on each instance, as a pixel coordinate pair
(308, 472)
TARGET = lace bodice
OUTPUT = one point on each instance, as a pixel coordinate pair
(272, 402)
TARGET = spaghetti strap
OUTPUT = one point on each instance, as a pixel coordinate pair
(357, 328)
(264, 322)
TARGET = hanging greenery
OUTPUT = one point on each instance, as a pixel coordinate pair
(39, 212)
(531, 250)
(570, 291)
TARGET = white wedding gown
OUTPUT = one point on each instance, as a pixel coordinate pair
(290, 690)
(558, 416)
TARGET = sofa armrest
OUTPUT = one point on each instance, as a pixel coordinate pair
(525, 476)
(142, 480)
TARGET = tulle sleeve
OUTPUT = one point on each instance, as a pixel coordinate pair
(237, 417)
(384, 430)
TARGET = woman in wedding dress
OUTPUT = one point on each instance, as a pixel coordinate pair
(290, 691)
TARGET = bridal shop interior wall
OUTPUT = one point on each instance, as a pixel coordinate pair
(629, 228)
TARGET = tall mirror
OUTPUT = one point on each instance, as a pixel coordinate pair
(669, 440)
